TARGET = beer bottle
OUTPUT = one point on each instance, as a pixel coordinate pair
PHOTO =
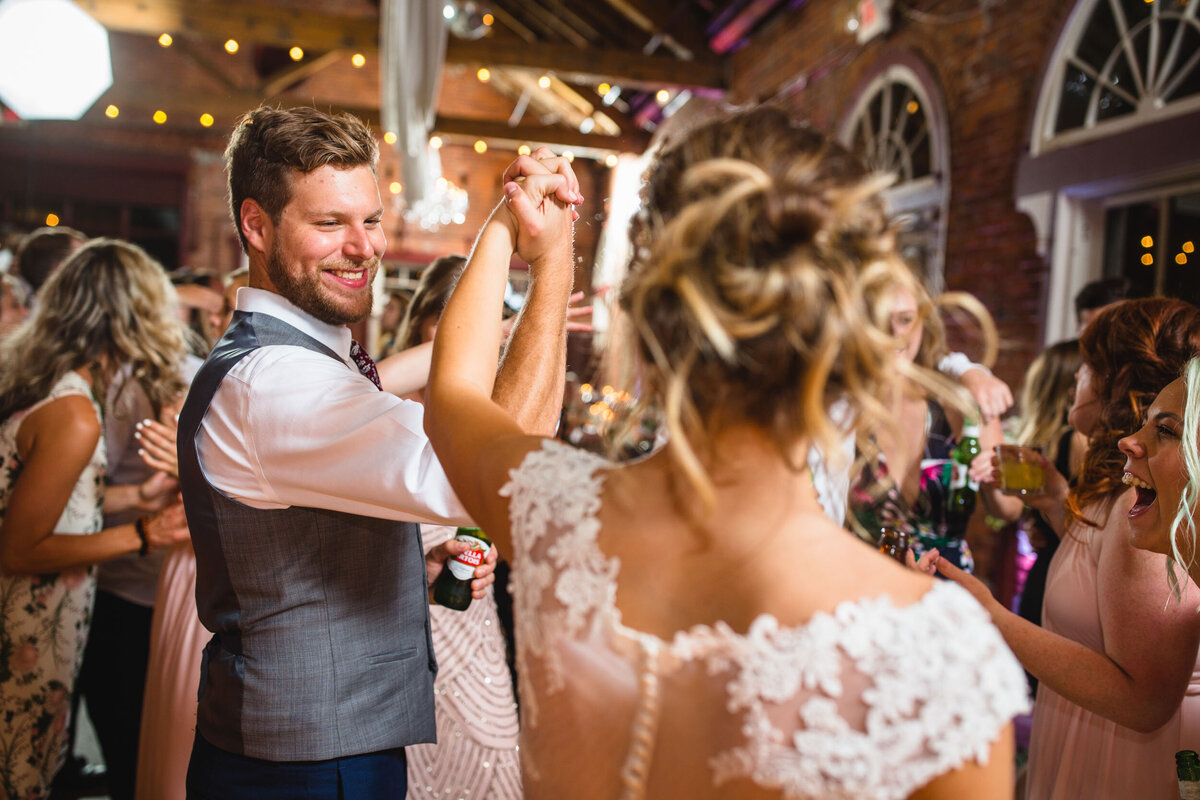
(1187, 768)
(452, 588)
(893, 542)
(962, 488)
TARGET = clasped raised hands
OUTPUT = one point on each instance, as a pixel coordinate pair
(539, 193)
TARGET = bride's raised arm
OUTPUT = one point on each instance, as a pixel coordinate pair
(482, 423)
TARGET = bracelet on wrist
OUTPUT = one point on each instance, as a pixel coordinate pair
(140, 526)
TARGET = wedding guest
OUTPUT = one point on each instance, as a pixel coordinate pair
(390, 322)
(1163, 468)
(907, 471)
(41, 251)
(1115, 660)
(473, 694)
(691, 624)
(107, 307)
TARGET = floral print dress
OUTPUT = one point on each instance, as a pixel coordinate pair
(44, 621)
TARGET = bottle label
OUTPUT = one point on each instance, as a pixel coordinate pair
(958, 476)
(1189, 790)
(463, 565)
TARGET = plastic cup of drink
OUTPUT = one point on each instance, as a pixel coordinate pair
(1021, 471)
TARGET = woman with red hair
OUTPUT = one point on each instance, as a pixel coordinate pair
(1116, 660)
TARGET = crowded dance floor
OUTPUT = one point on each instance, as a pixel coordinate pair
(502, 399)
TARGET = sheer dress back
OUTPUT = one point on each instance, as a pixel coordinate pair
(870, 701)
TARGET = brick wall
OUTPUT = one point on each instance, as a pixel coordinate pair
(987, 71)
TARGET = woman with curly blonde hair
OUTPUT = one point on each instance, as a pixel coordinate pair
(907, 471)
(693, 619)
(109, 305)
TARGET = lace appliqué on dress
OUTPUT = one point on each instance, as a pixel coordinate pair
(934, 703)
(560, 486)
(934, 679)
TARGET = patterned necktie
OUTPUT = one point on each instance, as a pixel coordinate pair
(364, 363)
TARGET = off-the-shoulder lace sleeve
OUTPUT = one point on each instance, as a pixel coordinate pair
(564, 578)
(936, 680)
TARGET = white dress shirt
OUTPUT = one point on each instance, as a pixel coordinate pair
(293, 427)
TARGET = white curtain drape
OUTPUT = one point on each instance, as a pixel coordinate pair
(412, 46)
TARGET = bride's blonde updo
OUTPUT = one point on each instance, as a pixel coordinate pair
(757, 241)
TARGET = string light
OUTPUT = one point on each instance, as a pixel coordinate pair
(52, 220)
(296, 53)
(663, 97)
(568, 155)
(610, 160)
(524, 150)
(395, 187)
(207, 120)
(603, 89)
(1147, 241)
(480, 146)
(912, 107)
(488, 19)
(544, 81)
(160, 116)
(165, 40)
(358, 59)
(389, 137)
(1188, 247)
(483, 74)
(435, 142)
(1147, 259)
(231, 46)
(111, 112)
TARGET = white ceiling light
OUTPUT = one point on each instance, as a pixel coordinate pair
(54, 59)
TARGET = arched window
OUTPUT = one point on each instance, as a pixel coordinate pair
(1121, 63)
(1112, 179)
(897, 126)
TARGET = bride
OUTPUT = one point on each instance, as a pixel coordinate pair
(692, 625)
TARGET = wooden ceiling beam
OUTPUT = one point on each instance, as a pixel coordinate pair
(590, 64)
(535, 135)
(260, 23)
(283, 27)
(138, 102)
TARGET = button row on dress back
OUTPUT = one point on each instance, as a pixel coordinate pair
(645, 724)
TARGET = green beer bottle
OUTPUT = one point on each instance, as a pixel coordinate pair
(452, 588)
(962, 489)
(1187, 768)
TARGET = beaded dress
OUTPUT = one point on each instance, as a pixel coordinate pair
(870, 701)
(476, 751)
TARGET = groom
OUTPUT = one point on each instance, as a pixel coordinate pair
(303, 483)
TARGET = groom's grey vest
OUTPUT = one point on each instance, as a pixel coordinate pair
(320, 619)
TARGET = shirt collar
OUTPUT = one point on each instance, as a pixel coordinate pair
(262, 301)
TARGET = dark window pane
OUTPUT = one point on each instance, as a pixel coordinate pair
(1125, 244)
(1191, 83)
(1111, 105)
(1183, 267)
(154, 218)
(1073, 99)
(1100, 38)
(96, 219)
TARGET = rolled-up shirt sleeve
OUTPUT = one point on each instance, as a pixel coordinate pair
(293, 427)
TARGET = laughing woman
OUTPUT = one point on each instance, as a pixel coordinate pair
(1116, 661)
(1163, 466)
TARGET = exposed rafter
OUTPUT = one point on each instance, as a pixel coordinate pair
(283, 27)
(141, 100)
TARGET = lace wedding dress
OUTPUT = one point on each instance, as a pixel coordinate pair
(871, 701)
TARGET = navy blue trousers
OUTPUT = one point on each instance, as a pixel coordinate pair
(216, 774)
